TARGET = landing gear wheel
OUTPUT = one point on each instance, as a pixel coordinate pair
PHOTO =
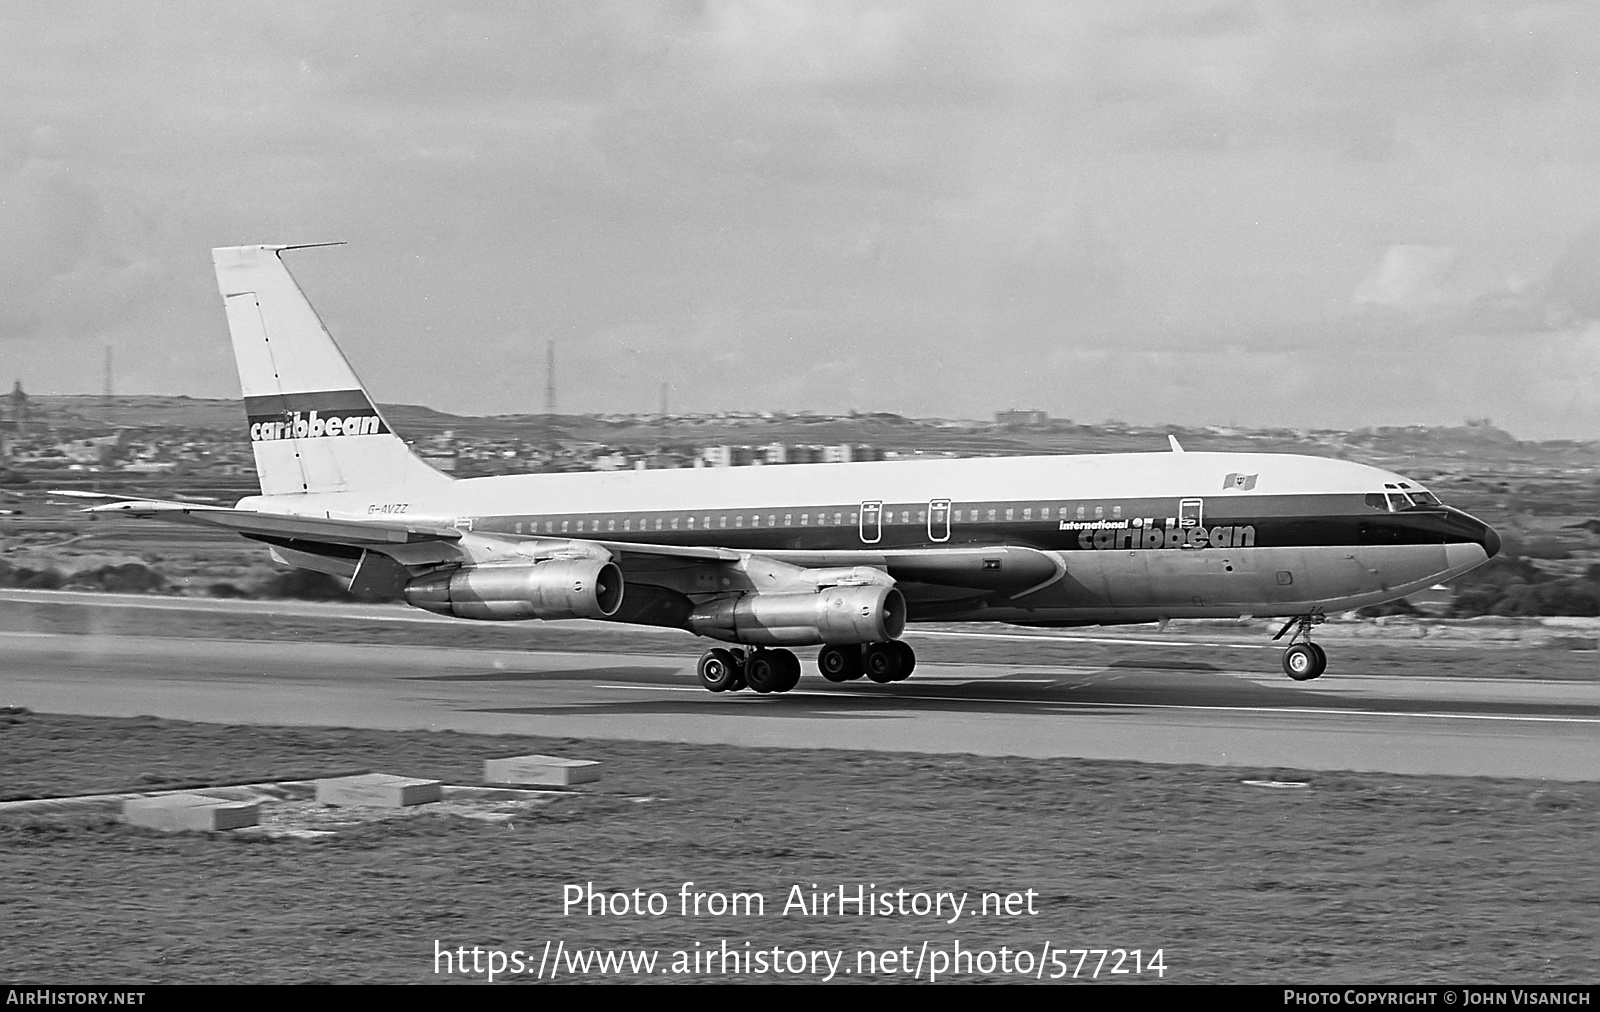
(908, 660)
(839, 664)
(760, 672)
(791, 669)
(771, 670)
(719, 670)
(1304, 661)
(882, 662)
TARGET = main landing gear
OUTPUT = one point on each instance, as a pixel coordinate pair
(1303, 660)
(723, 670)
(886, 662)
(728, 670)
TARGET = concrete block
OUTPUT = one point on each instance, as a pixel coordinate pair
(171, 812)
(547, 770)
(376, 790)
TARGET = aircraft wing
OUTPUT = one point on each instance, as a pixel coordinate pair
(1010, 570)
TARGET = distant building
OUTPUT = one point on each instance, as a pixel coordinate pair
(716, 456)
(1021, 418)
(19, 408)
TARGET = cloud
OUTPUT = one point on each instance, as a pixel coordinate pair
(1412, 278)
(48, 220)
(1575, 279)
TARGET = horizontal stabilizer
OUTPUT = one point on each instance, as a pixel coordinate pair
(273, 525)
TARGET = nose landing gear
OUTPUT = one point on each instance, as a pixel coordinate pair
(1303, 660)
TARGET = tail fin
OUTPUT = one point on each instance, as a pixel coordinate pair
(313, 427)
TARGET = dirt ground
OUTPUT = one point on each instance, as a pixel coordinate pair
(1349, 878)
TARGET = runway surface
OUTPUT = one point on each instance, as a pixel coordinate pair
(1209, 699)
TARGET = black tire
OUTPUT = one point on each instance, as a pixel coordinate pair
(791, 670)
(908, 660)
(765, 671)
(1322, 658)
(719, 670)
(1304, 661)
(839, 664)
(881, 662)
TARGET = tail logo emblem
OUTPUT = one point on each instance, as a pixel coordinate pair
(312, 416)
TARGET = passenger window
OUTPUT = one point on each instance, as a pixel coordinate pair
(805, 519)
(1027, 514)
(787, 517)
(1082, 512)
(1116, 511)
(992, 516)
(1099, 512)
(838, 518)
(564, 526)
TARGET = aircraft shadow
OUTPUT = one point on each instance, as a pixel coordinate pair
(1116, 689)
(655, 675)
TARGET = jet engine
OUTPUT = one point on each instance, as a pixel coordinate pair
(559, 588)
(837, 615)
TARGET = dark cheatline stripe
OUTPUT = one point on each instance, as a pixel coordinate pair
(326, 402)
(1366, 528)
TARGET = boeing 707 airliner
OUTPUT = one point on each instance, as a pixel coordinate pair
(836, 556)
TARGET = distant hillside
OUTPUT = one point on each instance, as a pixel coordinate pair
(1480, 443)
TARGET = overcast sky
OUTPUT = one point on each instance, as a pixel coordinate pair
(1310, 214)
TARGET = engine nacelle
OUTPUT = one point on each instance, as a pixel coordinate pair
(559, 588)
(836, 615)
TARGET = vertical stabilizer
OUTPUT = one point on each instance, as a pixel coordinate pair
(312, 426)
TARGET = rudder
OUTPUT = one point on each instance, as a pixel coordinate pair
(312, 426)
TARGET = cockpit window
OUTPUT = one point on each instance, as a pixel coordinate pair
(1393, 501)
